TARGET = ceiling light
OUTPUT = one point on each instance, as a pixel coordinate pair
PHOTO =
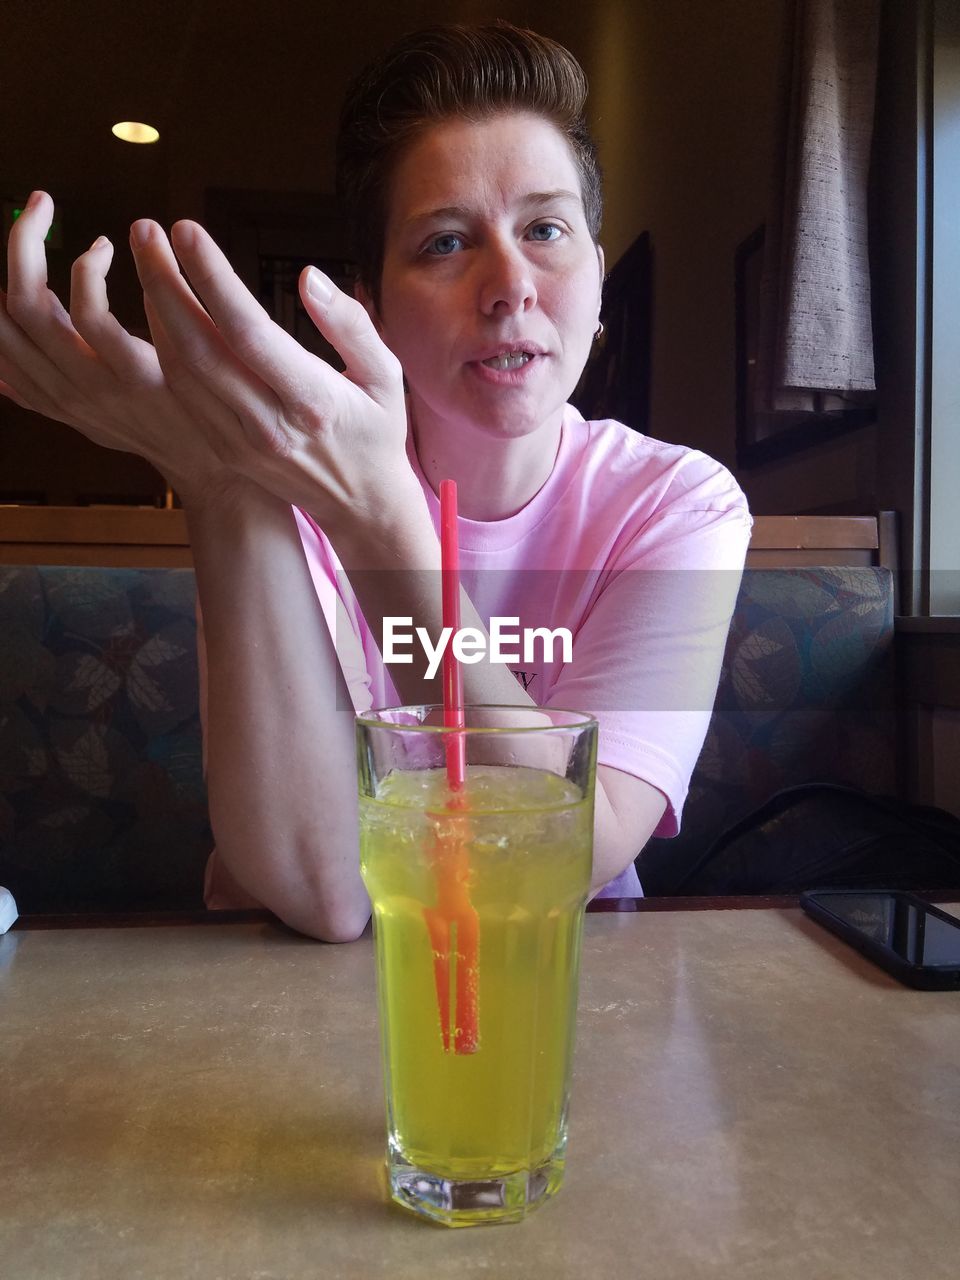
(133, 131)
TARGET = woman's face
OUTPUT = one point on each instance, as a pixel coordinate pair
(490, 293)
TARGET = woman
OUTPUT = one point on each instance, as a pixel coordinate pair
(310, 496)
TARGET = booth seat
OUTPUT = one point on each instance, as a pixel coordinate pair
(102, 797)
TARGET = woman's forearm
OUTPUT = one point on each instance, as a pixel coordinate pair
(280, 733)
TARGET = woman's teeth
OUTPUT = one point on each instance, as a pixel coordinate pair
(513, 360)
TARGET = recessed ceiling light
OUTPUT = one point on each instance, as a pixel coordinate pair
(133, 131)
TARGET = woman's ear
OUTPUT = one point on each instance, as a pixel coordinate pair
(365, 298)
(602, 262)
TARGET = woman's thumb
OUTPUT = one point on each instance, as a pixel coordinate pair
(348, 328)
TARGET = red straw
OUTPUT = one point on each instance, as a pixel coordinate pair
(453, 923)
(450, 613)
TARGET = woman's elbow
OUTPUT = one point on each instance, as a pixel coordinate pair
(328, 922)
(343, 928)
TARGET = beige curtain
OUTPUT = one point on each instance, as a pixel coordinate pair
(816, 337)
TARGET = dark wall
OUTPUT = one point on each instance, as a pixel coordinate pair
(685, 100)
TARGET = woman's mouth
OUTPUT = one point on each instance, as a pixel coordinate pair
(509, 360)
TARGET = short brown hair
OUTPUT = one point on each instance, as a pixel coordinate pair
(472, 72)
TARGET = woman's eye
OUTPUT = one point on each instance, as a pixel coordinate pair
(442, 246)
(545, 231)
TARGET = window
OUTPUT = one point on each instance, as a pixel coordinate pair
(943, 225)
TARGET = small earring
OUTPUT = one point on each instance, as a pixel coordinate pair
(599, 333)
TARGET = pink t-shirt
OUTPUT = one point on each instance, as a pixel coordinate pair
(636, 547)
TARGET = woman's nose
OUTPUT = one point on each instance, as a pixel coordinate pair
(507, 285)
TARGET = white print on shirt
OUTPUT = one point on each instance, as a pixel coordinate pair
(469, 644)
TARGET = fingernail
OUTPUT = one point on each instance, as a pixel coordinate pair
(184, 235)
(31, 200)
(140, 233)
(99, 243)
(319, 287)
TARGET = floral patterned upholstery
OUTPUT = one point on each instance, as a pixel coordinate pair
(102, 800)
(806, 694)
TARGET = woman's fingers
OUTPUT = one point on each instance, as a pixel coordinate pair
(193, 335)
(38, 384)
(7, 390)
(26, 256)
(345, 324)
(194, 347)
(46, 346)
(131, 360)
(83, 368)
(276, 357)
(210, 418)
(301, 381)
(198, 365)
(37, 310)
(222, 386)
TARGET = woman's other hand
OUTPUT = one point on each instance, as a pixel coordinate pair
(83, 368)
(223, 396)
(271, 411)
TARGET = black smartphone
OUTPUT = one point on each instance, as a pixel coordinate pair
(915, 942)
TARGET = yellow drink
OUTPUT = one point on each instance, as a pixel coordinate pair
(496, 1115)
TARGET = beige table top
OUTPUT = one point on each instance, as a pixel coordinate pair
(751, 1099)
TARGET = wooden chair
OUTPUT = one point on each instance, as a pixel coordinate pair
(783, 542)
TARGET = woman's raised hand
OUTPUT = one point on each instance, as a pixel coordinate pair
(82, 367)
(223, 395)
(331, 443)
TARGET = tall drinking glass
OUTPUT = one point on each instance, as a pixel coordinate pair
(478, 902)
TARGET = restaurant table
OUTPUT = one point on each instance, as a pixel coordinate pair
(751, 1099)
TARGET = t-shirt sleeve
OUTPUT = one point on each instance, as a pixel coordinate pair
(646, 658)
